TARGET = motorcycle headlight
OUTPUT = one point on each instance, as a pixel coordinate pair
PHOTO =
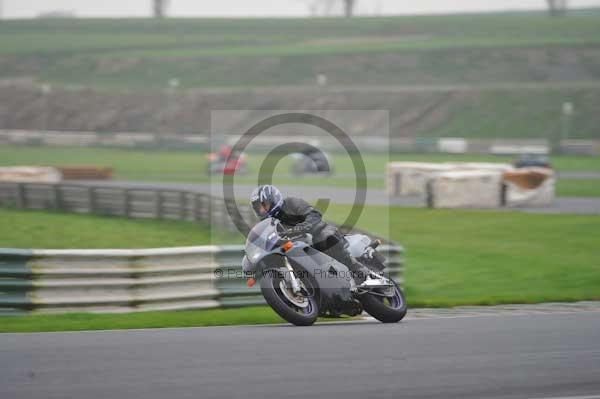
(272, 241)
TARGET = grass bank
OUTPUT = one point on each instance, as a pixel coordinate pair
(142, 53)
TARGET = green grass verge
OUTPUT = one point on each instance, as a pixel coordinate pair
(454, 257)
(190, 166)
(578, 188)
(189, 318)
(166, 166)
(53, 230)
(88, 321)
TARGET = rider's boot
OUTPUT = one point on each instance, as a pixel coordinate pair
(340, 252)
(359, 271)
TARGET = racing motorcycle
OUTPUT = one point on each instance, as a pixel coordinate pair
(301, 283)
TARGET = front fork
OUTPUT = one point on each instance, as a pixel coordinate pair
(293, 280)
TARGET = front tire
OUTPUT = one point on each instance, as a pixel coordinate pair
(386, 309)
(270, 288)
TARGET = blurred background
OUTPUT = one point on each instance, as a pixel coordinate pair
(472, 127)
(484, 165)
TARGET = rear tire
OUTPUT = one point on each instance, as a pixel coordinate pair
(391, 312)
(269, 286)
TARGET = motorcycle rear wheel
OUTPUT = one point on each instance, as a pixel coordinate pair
(386, 309)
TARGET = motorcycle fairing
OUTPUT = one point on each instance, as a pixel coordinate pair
(332, 277)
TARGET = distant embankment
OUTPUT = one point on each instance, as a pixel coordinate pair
(492, 111)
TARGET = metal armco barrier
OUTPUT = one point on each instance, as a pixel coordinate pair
(115, 201)
(129, 280)
(58, 281)
(135, 203)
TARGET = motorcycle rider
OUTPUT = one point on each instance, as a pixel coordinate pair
(299, 217)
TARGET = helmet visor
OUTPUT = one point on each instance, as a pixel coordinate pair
(259, 209)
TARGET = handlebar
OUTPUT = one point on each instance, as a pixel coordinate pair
(297, 236)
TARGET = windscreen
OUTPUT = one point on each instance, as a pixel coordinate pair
(262, 239)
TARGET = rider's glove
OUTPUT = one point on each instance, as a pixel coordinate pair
(369, 253)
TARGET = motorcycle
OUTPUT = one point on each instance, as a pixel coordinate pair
(301, 283)
(312, 163)
(219, 165)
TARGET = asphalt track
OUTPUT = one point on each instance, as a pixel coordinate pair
(533, 356)
(343, 195)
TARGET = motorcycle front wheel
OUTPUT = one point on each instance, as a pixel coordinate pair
(386, 309)
(300, 310)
